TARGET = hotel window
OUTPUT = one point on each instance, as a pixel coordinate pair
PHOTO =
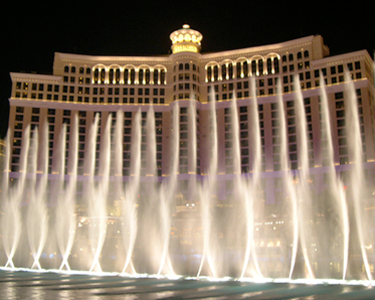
(245, 69)
(253, 67)
(269, 65)
(340, 104)
(276, 64)
(260, 66)
(19, 109)
(291, 57)
(339, 95)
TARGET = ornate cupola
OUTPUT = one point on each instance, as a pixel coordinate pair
(186, 40)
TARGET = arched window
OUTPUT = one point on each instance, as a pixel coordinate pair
(140, 76)
(132, 76)
(126, 76)
(187, 66)
(260, 66)
(230, 71)
(156, 76)
(66, 69)
(162, 77)
(209, 73)
(88, 71)
(216, 72)
(111, 73)
(96, 76)
(73, 69)
(276, 65)
(306, 53)
(147, 76)
(245, 69)
(291, 57)
(253, 67)
(224, 71)
(284, 58)
(181, 66)
(81, 70)
(239, 67)
(102, 75)
(269, 65)
(299, 55)
(117, 76)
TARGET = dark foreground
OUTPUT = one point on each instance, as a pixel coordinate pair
(25, 285)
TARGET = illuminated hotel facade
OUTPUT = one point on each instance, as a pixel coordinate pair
(83, 85)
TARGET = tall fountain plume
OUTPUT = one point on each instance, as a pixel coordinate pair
(303, 192)
(167, 192)
(65, 226)
(10, 200)
(252, 185)
(96, 194)
(150, 224)
(336, 187)
(129, 217)
(37, 215)
(287, 176)
(206, 193)
(357, 180)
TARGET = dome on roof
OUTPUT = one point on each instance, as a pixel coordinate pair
(186, 40)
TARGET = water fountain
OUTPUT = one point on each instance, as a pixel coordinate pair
(144, 227)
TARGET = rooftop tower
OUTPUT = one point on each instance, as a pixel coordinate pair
(186, 40)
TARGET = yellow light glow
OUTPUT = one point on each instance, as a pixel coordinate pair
(185, 48)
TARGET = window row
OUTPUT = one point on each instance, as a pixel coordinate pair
(227, 71)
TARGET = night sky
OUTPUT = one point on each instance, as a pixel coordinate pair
(31, 33)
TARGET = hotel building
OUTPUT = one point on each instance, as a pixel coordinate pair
(84, 85)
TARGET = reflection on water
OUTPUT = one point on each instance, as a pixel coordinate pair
(42, 286)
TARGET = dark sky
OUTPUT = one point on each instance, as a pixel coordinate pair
(31, 33)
